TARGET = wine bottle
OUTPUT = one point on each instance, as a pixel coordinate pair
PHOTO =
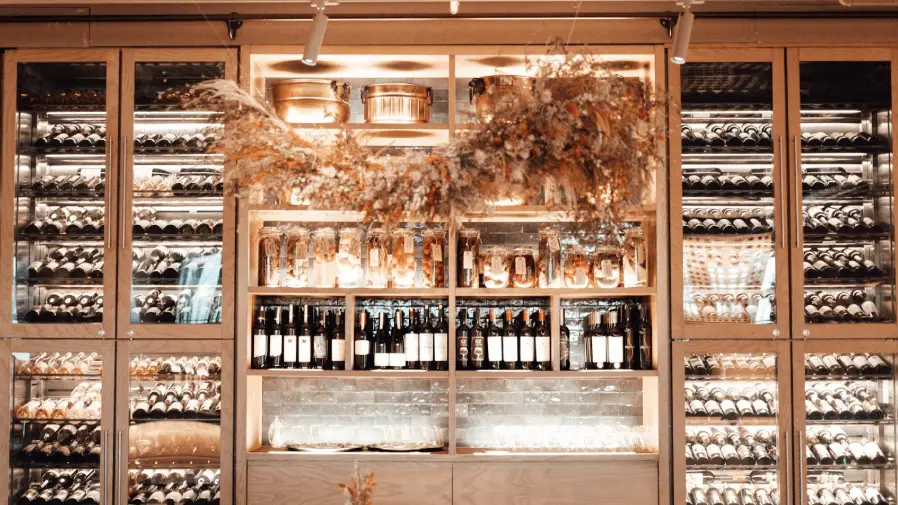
(320, 354)
(542, 342)
(526, 342)
(338, 345)
(363, 359)
(510, 343)
(260, 341)
(397, 342)
(382, 344)
(304, 340)
(565, 351)
(425, 346)
(276, 342)
(493, 343)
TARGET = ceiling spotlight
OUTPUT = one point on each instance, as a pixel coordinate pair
(316, 37)
(681, 39)
(453, 6)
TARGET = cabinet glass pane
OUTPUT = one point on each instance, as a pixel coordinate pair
(60, 181)
(846, 168)
(177, 187)
(55, 437)
(732, 443)
(850, 435)
(174, 434)
(728, 193)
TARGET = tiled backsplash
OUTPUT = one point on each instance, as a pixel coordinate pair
(563, 414)
(354, 410)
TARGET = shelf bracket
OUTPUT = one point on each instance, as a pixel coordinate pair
(668, 24)
(233, 25)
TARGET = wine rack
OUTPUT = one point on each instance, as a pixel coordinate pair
(848, 437)
(60, 186)
(56, 439)
(729, 187)
(846, 197)
(176, 205)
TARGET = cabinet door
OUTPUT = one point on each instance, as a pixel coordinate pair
(177, 229)
(60, 118)
(731, 422)
(842, 144)
(844, 421)
(728, 238)
(60, 429)
(175, 421)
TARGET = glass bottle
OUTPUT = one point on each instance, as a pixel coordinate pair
(376, 258)
(468, 252)
(523, 267)
(549, 258)
(298, 259)
(495, 267)
(276, 433)
(402, 262)
(576, 267)
(349, 258)
(635, 258)
(269, 257)
(325, 258)
(433, 268)
(606, 261)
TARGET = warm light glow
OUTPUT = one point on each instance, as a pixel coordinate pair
(453, 6)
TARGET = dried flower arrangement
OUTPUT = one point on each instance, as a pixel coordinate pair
(360, 488)
(592, 134)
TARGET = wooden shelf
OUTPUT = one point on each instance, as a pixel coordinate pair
(358, 292)
(578, 374)
(269, 454)
(371, 126)
(504, 214)
(560, 292)
(368, 374)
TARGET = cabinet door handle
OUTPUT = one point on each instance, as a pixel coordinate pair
(799, 229)
(107, 451)
(782, 191)
(106, 200)
(122, 188)
(788, 450)
(118, 461)
(802, 490)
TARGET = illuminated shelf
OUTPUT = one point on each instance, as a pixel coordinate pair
(360, 292)
(563, 374)
(745, 421)
(732, 378)
(369, 374)
(269, 454)
(561, 292)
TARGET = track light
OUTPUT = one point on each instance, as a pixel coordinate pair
(316, 37)
(681, 39)
(453, 6)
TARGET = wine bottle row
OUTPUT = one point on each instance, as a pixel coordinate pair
(62, 97)
(70, 307)
(734, 307)
(63, 487)
(846, 363)
(714, 180)
(170, 185)
(50, 185)
(68, 220)
(732, 496)
(83, 402)
(189, 265)
(731, 447)
(842, 401)
(732, 403)
(845, 494)
(389, 342)
(726, 221)
(78, 139)
(207, 366)
(831, 446)
(189, 307)
(727, 134)
(195, 140)
(737, 364)
(839, 263)
(45, 363)
(179, 487)
(177, 227)
(845, 306)
(62, 444)
(839, 219)
(615, 339)
(179, 400)
(69, 263)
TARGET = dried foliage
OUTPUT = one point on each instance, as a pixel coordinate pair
(360, 488)
(594, 135)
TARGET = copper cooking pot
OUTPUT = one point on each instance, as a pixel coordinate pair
(492, 93)
(397, 103)
(311, 100)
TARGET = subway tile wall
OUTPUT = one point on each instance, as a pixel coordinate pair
(355, 410)
(561, 415)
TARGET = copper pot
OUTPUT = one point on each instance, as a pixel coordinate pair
(311, 100)
(397, 103)
(493, 93)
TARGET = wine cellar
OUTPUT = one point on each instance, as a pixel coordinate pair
(166, 341)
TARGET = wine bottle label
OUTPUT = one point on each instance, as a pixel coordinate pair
(275, 346)
(468, 260)
(374, 257)
(477, 348)
(441, 346)
(338, 349)
(397, 359)
(305, 349)
(528, 351)
(543, 349)
(496, 264)
(437, 252)
(319, 346)
(520, 265)
(411, 346)
(599, 349)
(408, 244)
(554, 244)
(565, 348)
(381, 359)
(494, 348)
(616, 349)
(425, 349)
(580, 276)
(363, 347)
(606, 268)
(259, 345)
(290, 349)
(463, 350)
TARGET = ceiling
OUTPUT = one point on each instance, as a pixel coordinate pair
(435, 8)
